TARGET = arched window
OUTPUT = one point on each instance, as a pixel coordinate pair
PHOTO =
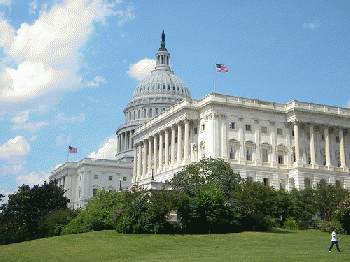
(307, 183)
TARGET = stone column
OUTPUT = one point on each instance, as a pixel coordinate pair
(135, 164)
(240, 127)
(258, 160)
(312, 145)
(139, 160)
(327, 146)
(296, 142)
(144, 159)
(273, 146)
(223, 138)
(166, 149)
(342, 148)
(149, 156)
(172, 154)
(179, 143)
(187, 141)
(155, 153)
(161, 138)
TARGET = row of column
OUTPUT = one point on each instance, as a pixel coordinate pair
(125, 141)
(160, 150)
(327, 145)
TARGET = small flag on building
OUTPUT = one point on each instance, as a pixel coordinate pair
(221, 68)
(73, 149)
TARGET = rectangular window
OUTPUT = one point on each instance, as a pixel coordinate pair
(195, 130)
(124, 178)
(248, 127)
(264, 129)
(249, 178)
(249, 154)
(203, 127)
(337, 139)
(95, 176)
(94, 192)
(322, 137)
(279, 131)
(265, 155)
(232, 152)
(292, 132)
(280, 159)
(232, 125)
(266, 181)
(110, 178)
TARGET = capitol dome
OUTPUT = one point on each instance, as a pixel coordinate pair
(162, 82)
(153, 95)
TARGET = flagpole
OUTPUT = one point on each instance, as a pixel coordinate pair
(214, 75)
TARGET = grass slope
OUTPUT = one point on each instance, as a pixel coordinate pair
(279, 245)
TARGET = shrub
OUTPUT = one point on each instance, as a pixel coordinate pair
(52, 223)
(291, 224)
(327, 226)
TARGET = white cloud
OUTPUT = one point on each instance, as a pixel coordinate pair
(32, 179)
(33, 138)
(311, 26)
(5, 2)
(63, 140)
(32, 127)
(32, 7)
(96, 82)
(12, 168)
(107, 151)
(21, 117)
(142, 68)
(17, 146)
(348, 105)
(43, 58)
(61, 118)
(6, 194)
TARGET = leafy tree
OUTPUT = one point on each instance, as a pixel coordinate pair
(342, 214)
(148, 212)
(258, 203)
(303, 205)
(22, 214)
(207, 173)
(327, 199)
(101, 212)
(1, 197)
(209, 211)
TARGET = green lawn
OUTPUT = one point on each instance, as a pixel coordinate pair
(279, 245)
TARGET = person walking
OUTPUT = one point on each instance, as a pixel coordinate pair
(334, 240)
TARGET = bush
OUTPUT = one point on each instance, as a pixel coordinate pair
(52, 223)
(291, 224)
(102, 212)
(327, 226)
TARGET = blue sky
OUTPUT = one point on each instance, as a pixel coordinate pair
(69, 68)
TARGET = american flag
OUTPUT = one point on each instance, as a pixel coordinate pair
(221, 68)
(73, 149)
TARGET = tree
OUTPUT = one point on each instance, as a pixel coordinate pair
(327, 199)
(22, 214)
(205, 174)
(207, 203)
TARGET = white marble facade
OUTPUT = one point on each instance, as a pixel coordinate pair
(82, 179)
(293, 145)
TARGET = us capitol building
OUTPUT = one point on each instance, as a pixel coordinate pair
(293, 145)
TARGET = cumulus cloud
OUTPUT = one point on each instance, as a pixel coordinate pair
(17, 146)
(96, 82)
(21, 117)
(142, 68)
(5, 2)
(107, 151)
(32, 179)
(32, 127)
(43, 58)
(61, 118)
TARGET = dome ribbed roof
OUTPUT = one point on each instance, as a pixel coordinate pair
(162, 82)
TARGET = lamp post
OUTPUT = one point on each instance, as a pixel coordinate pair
(120, 184)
